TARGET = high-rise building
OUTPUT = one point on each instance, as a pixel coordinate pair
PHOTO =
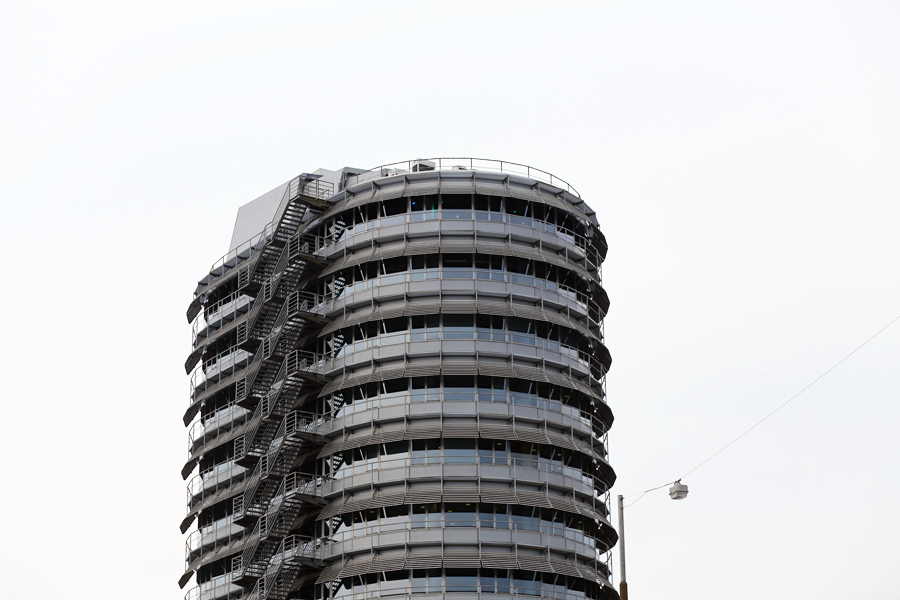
(397, 389)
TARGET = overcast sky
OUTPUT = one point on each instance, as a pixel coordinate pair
(742, 158)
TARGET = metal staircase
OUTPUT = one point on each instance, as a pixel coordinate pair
(295, 429)
(293, 554)
(275, 524)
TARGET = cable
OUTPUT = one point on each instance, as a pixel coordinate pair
(761, 421)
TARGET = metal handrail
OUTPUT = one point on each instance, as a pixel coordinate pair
(211, 589)
(203, 372)
(213, 535)
(197, 490)
(227, 414)
(290, 547)
(207, 317)
(580, 241)
(290, 485)
(529, 400)
(406, 464)
(457, 164)
(472, 273)
(297, 244)
(543, 527)
(321, 190)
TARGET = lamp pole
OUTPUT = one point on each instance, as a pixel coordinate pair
(678, 491)
(623, 585)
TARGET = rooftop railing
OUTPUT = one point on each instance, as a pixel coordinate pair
(420, 165)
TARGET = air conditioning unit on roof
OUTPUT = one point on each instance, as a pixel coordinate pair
(422, 165)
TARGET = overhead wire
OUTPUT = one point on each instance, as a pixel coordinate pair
(761, 421)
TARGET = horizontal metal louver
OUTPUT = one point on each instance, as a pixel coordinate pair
(460, 430)
(423, 494)
(461, 494)
(533, 499)
(330, 573)
(388, 191)
(422, 187)
(422, 431)
(358, 199)
(424, 561)
(525, 193)
(459, 367)
(504, 495)
(564, 568)
(484, 366)
(454, 184)
(499, 560)
(457, 245)
(528, 434)
(422, 368)
(496, 369)
(494, 246)
(491, 186)
(423, 306)
(356, 566)
(415, 247)
(461, 560)
(389, 563)
(496, 432)
(533, 563)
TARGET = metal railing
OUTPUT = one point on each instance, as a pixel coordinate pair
(566, 234)
(213, 315)
(222, 365)
(219, 588)
(320, 190)
(218, 534)
(228, 415)
(460, 273)
(420, 165)
(211, 481)
(291, 548)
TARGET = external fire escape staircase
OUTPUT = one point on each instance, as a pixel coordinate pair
(273, 267)
(275, 495)
(294, 554)
(280, 248)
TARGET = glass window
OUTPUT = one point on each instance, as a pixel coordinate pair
(394, 265)
(458, 260)
(395, 206)
(456, 201)
(461, 580)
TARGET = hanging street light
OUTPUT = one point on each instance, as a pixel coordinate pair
(678, 491)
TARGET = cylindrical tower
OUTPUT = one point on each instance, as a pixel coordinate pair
(398, 389)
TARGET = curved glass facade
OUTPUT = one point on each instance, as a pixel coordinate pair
(397, 388)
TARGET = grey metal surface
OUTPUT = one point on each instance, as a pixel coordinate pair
(262, 536)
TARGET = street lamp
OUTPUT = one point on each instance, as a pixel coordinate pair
(678, 491)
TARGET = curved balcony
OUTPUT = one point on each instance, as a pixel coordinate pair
(218, 588)
(522, 471)
(403, 348)
(472, 400)
(211, 537)
(470, 518)
(481, 221)
(217, 368)
(492, 282)
(215, 315)
(224, 419)
(212, 481)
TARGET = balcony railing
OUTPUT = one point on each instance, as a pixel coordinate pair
(461, 164)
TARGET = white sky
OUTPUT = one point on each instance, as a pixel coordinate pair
(742, 158)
